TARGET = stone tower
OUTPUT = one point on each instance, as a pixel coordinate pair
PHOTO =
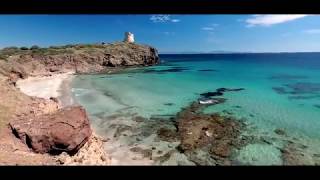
(128, 37)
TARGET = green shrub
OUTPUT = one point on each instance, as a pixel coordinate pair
(34, 47)
(8, 51)
(69, 46)
(55, 47)
(3, 57)
(10, 48)
(24, 48)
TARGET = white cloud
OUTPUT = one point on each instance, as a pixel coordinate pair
(312, 31)
(175, 20)
(160, 18)
(163, 18)
(268, 20)
(168, 33)
(211, 27)
(207, 28)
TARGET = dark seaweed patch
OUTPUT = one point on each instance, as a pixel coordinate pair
(160, 71)
(104, 77)
(168, 104)
(300, 90)
(287, 77)
(207, 70)
(219, 92)
(237, 106)
(209, 94)
(303, 97)
(280, 90)
(317, 105)
(304, 87)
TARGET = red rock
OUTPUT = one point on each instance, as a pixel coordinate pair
(67, 130)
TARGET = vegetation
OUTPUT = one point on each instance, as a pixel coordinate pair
(24, 48)
(5, 53)
(34, 47)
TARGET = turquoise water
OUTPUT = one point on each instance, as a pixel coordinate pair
(281, 91)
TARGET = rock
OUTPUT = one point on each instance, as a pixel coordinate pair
(146, 153)
(209, 94)
(92, 153)
(54, 99)
(221, 149)
(209, 134)
(291, 156)
(280, 132)
(93, 58)
(213, 135)
(168, 104)
(167, 135)
(139, 118)
(227, 89)
(316, 155)
(165, 157)
(211, 101)
(219, 92)
(67, 130)
(120, 129)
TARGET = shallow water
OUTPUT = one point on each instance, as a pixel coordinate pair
(281, 91)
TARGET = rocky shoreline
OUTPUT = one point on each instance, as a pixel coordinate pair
(46, 130)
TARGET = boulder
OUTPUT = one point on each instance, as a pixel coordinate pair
(66, 130)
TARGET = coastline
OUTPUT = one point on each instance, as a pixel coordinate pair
(58, 86)
(35, 88)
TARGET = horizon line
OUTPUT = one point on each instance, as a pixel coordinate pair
(241, 52)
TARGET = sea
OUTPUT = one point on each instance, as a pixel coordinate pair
(281, 91)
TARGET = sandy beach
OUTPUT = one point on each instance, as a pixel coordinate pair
(57, 86)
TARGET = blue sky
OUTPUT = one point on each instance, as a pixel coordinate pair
(168, 33)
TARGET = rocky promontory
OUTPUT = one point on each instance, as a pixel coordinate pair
(34, 129)
(82, 58)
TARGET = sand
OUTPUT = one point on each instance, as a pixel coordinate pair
(48, 86)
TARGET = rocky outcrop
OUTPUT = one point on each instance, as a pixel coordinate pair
(78, 59)
(64, 131)
(92, 153)
(212, 134)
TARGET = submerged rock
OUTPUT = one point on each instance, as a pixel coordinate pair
(165, 157)
(167, 135)
(168, 104)
(209, 94)
(213, 134)
(287, 77)
(146, 153)
(280, 132)
(228, 89)
(207, 70)
(211, 101)
(120, 129)
(64, 131)
(292, 156)
(219, 92)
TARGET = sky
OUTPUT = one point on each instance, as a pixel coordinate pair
(168, 33)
